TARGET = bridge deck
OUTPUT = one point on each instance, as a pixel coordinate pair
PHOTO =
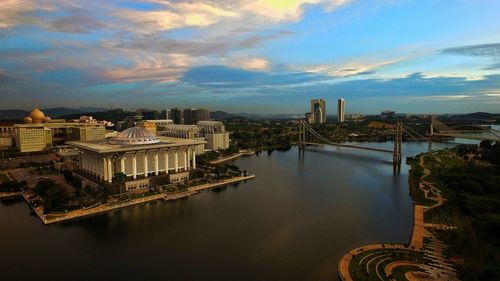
(351, 146)
(461, 136)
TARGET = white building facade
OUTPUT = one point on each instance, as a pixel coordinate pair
(139, 155)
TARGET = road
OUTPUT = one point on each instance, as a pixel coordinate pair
(15, 162)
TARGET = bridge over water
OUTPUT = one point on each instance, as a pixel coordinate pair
(309, 136)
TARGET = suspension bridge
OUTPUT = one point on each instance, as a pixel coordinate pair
(309, 136)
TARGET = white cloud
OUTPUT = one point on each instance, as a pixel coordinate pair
(445, 97)
(493, 95)
(250, 63)
(350, 68)
(176, 15)
(157, 67)
(287, 10)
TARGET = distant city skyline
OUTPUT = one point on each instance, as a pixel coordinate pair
(265, 56)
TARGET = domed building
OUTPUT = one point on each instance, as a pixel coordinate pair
(146, 160)
(37, 116)
(135, 136)
(27, 120)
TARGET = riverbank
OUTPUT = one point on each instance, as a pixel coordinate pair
(422, 257)
(7, 195)
(52, 218)
(232, 157)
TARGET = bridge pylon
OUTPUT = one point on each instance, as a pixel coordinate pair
(302, 135)
(398, 141)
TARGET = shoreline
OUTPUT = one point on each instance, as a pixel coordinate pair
(416, 243)
(81, 213)
(231, 157)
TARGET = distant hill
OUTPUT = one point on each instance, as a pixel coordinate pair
(221, 115)
(113, 115)
(480, 115)
(56, 112)
(12, 114)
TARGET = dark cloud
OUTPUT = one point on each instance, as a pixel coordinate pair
(226, 77)
(257, 39)
(216, 46)
(78, 23)
(492, 66)
(482, 50)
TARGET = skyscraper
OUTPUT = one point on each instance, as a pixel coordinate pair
(189, 116)
(202, 114)
(341, 110)
(318, 108)
(177, 116)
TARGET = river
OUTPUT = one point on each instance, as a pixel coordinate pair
(292, 222)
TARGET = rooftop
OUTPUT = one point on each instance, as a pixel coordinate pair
(107, 147)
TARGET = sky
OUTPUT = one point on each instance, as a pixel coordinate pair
(264, 56)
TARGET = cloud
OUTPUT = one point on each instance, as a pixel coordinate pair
(251, 63)
(482, 50)
(15, 12)
(289, 10)
(492, 66)
(160, 68)
(351, 68)
(77, 23)
(256, 39)
(176, 15)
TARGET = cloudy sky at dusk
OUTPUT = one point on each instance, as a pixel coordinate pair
(266, 56)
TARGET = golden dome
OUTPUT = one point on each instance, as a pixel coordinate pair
(27, 119)
(37, 115)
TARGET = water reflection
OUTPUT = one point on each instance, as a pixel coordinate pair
(292, 222)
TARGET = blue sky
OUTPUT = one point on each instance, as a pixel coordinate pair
(264, 56)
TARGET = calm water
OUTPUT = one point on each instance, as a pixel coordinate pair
(293, 222)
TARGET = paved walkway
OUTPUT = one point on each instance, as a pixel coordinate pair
(231, 157)
(221, 183)
(439, 267)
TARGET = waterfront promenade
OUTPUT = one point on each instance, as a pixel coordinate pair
(379, 255)
(52, 218)
(232, 157)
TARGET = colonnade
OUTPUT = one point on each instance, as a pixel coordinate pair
(104, 166)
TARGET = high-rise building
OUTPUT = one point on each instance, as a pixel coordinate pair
(165, 114)
(202, 114)
(189, 115)
(341, 110)
(177, 116)
(318, 108)
(309, 117)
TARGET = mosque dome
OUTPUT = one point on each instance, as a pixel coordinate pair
(135, 136)
(37, 115)
(27, 119)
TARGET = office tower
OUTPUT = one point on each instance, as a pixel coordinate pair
(165, 114)
(341, 110)
(189, 115)
(177, 116)
(318, 108)
(202, 114)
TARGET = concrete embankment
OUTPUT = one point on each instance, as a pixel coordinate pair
(231, 157)
(7, 195)
(100, 209)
